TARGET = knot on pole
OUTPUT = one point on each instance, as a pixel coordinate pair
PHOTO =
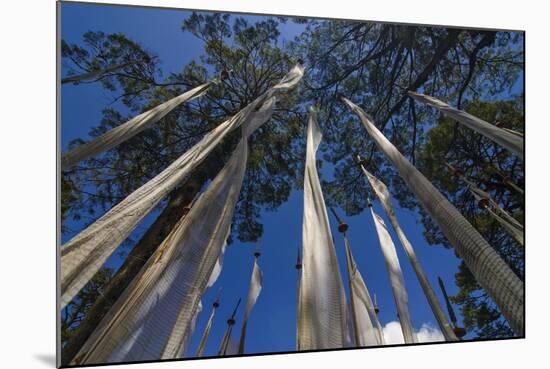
(459, 332)
(342, 227)
(225, 74)
(483, 203)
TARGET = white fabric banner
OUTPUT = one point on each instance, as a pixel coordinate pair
(396, 277)
(253, 293)
(367, 328)
(84, 254)
(322, 303)
(510, 141)
(127, 130)
(153, 318)
(383, 195)
(490, 271)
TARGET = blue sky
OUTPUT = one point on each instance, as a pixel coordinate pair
(272, 323)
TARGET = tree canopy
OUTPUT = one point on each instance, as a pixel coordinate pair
(372, 64)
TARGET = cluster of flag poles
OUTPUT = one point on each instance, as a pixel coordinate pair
(155, 316)
(485, 202)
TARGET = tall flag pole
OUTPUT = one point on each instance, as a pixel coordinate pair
(206, 333)
(395, 274)
(298, 267)
(253, 292)
(488, 268)
(382, 193)
(459, 331)
(227, 336)
(129, 129)
(367, 329)
(180, 271)
(513, 142)
(342, 228)
(322, 306)
(506, 180)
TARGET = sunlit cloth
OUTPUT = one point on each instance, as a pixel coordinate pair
(366, 326)
(322, 303)
(513, 142)
(396, 277)
(90, 76)
(153, 318)
(253, 293)
(512, 226)
(488, 268)
(206, 333)
(127, 130)
(84, 254)
(383, 195)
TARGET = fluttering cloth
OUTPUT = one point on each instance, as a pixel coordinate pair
(84, 254)
(322, 303)
(513, 142)
(367, 327)
(253, 292)
(127, 130)
(488, 268)
(383, 195)
(154, 317)
(396, 277)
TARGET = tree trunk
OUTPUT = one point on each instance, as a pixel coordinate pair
(146, 246)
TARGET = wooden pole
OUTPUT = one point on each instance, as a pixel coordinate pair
(342, 228)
